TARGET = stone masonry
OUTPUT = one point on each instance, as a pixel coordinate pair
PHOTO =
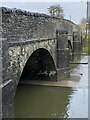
(24, 33)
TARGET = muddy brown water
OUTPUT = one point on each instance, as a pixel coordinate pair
(34, 101)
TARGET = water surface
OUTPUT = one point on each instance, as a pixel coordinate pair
(33, 101)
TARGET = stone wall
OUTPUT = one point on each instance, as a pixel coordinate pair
(22, 25)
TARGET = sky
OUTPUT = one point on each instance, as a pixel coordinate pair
(75, 10)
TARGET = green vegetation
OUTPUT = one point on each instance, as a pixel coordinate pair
(56, 11)
(86, 40)
(86, 45)
(89, 45)
(82, 26)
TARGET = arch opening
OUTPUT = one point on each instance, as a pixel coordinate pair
(40, 66)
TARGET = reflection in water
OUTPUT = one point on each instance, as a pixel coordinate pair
(39, 101)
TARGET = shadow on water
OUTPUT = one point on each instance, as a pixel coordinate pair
(39, 101)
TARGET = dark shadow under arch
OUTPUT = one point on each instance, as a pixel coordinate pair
(40, 66)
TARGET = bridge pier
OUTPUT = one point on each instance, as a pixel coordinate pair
(63, 56)
(8, 92)
(7, 86)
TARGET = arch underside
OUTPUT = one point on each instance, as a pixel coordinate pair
(39, 66)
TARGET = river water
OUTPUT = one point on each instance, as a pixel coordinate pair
(34, 101)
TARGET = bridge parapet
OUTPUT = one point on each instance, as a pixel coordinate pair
(20, 25)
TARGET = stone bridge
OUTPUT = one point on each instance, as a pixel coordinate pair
(34, 45)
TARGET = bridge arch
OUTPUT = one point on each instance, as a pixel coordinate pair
(40, 65)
